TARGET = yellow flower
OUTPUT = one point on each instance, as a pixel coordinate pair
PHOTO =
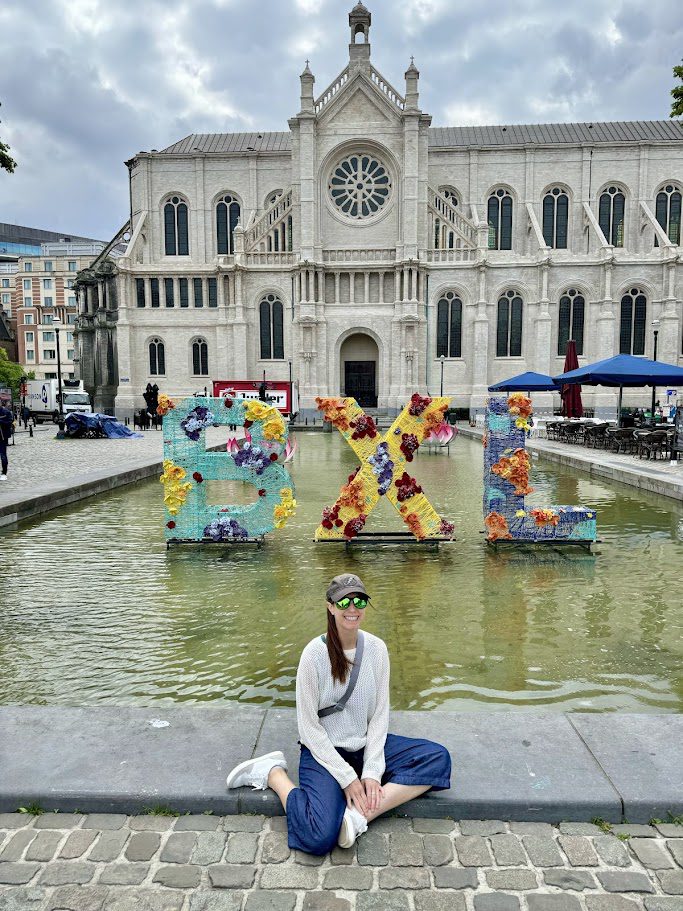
(285, 509)
(175, 492)
(274, 429)
(257, 411)
(520, 513)
(590, 515)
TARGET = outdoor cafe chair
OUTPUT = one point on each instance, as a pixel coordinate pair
(621, 439)
(572, 432)
(653, 443)
(595, 436)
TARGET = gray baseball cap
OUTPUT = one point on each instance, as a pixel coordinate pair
(346, 584)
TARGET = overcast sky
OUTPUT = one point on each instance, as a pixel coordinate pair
(85, 84)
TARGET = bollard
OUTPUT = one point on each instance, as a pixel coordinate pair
(30, 430)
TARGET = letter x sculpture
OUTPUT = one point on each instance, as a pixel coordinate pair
(382, 471)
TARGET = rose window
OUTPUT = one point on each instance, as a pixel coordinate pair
(359, 186)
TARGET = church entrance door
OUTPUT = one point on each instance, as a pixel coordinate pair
(359, 382)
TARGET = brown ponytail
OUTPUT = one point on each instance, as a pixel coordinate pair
(339, 663)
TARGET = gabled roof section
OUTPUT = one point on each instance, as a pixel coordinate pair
(556, 134)
(218, 143)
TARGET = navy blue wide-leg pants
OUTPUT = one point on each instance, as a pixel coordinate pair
(315, 809)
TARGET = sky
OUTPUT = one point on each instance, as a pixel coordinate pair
(85, 84)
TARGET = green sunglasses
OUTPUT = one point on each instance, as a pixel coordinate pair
(360, 603)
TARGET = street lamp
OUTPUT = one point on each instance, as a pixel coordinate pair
(442, 359)
(56, 325)
(655, 327)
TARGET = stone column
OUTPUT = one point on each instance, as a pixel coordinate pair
(480, 354)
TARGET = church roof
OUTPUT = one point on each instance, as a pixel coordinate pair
(459, 137)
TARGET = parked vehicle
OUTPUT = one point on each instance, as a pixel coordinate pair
(42, 398)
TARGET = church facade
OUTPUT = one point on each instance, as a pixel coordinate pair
(364, 252)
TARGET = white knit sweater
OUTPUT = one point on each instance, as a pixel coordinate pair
(364, 721)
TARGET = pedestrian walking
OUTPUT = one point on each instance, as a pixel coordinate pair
(351, 770)
(6, 428)
(25, 416)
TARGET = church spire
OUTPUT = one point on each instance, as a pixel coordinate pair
(359, 47)
(307, 79)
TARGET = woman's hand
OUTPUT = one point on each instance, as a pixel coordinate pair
(355, 797)
(374, 792)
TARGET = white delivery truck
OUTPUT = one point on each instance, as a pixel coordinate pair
(42, 398)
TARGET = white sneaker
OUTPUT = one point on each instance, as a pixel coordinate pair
(353, 825)
(3, 477)
(255, 772)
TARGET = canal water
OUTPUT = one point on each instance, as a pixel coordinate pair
(94, 610)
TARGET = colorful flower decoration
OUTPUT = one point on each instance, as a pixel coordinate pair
(409, 445)
(520, 405)
(363, 426)
(225, 529)
(175, 489)
(253, 458)
(383, 467)
(164, 404)
(515, 470)
(285, 509)
(544, 517)
(497, 527)
(407, 487)
(197, 420)
(418, 404)
(334, 411)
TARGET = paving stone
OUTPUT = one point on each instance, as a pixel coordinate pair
(373, 849)
(349, 878)
(14, 820)
(151, 823)
(495, 901)
(507, 850)
(570, 879)
(77, 843)
(289, 877)
(667, 829)
(473, 851)
(482, 827)
(209, 848)
(323, 901)
(513, 880)
(405, 850)
(625, 881)
(278, 824)
(611, 903)
(579, 850)
(579, 828)
(381, 901)
(543, 851)
(246, 823)
(16, 846)
(635, 830)
(433, 826)
(195, 823)
(43, 846)
(391, 825)
(612, 851)
(532, 828)
(308, 860)
(58, 821)
(20, 899)
(672, 881)
(62, 874)
(541, 902)
(242, 848)
(178, 849)
(178, 876)
(144, 900)
(104, 821)
(455, 878)
(77, 898)
(215, 901)
(675, 845)
(663, 903)
(343, 856)
(16, 874)
(270, 901)
(108, 846)
(225, 876)
(401, 878)
(651, 853)
(275, 848)
(143, 845)
(439, 901)
(438, 850)
(124, 874)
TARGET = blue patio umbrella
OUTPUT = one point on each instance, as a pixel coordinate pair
(527, 382)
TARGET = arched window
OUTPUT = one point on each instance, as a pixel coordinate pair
(572, 311)
(176, 237)
(449, 326)
(555, 218)
(611, 215)
(509, 329)
(451, 195)
(632, 327)
(499, 216)
(668, 212)
(272, 334)
(272, 198)
(227, 216)
(200, 357)
(157, 358)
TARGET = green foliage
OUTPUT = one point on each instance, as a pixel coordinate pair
(159, 810)
(7, 163)
(33, 809)
(10, 373)
(602, 824)
(677, 94)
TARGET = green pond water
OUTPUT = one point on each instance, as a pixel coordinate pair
(93, 609)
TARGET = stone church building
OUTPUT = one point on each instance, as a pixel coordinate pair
(372, 254)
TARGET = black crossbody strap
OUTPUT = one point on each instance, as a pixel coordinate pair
(355, 671)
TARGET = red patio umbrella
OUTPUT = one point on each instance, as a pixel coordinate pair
(571, 393)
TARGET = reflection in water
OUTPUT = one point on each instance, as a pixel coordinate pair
(94, 609)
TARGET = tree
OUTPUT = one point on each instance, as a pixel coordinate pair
(7, 163)
(677, 93)
(10, 373)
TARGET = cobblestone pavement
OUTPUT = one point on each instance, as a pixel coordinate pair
(73, 862)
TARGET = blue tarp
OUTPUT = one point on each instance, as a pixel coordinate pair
(79, 423)
(526, 382)
(624, 370)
